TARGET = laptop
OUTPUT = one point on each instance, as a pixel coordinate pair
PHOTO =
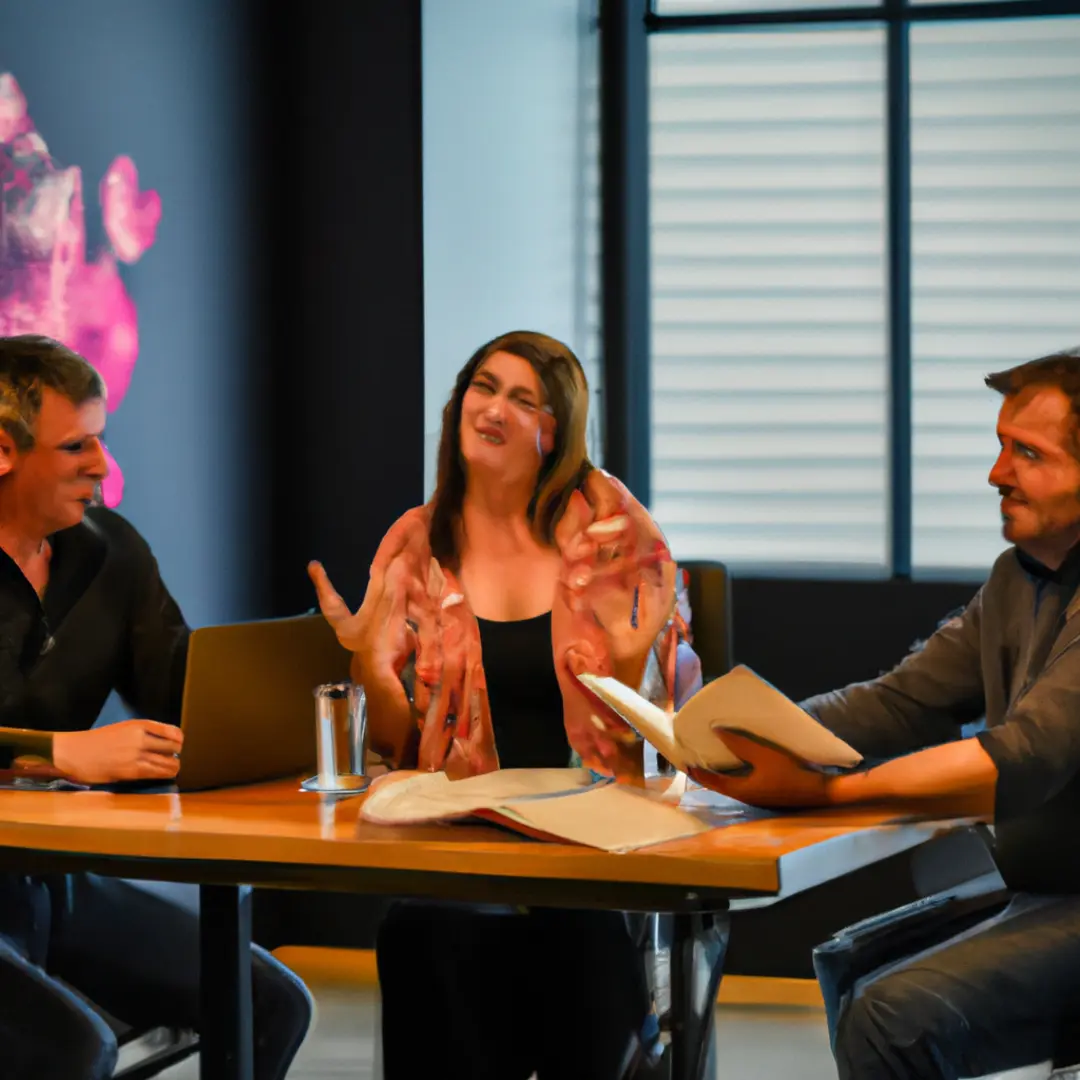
(249, 712)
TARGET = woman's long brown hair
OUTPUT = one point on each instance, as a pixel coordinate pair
(562, 470)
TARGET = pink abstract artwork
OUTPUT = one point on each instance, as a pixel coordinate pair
(47, 284)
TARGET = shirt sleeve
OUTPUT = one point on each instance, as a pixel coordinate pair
(153, 675)
(14, 742)
(922, 702)
(1037, 748)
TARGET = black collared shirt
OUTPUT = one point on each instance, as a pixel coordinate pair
(106, 623)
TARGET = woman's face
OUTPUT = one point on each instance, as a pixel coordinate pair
(506, 425)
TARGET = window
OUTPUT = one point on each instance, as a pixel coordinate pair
(995, 261)
(768, 280)
(588, 332)
(709, 7)
(769, 225)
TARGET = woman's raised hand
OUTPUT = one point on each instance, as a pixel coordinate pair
(383, 633)
(617, 568)
(616, 593)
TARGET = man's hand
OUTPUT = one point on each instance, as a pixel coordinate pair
(775, 779)
(129, 750)
(960, 770)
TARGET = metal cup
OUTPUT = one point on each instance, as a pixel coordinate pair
(340, 738)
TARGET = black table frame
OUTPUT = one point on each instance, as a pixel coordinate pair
(700, 932)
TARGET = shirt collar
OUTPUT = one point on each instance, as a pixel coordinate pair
(77, 556)
(1068, 573)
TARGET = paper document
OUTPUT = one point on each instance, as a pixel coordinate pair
(739, 701)
(568, 805)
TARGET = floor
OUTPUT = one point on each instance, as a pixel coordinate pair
(752, 1042)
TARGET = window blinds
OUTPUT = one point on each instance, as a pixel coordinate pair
(995, 134)
(769, 379)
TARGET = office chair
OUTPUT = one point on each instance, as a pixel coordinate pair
(944, 910)
(166, 1046)
(709, 592)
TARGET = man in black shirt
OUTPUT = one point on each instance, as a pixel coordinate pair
(83, 611)
(995, 997)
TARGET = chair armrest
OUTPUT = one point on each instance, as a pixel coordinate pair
(874, 943)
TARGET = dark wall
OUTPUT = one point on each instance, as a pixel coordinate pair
(167, 84)
(807, 637)
(342, 290)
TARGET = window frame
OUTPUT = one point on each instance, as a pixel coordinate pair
(624, 166)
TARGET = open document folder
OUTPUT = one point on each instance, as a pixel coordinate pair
(562, 805)
(738, 701)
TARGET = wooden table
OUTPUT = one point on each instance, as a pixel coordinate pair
(276, 836)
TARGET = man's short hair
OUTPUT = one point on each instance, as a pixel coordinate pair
(1060, 369)
(28, 364)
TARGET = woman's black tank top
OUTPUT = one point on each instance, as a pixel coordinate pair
(523, 693)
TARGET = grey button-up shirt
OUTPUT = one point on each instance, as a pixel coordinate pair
(1013, 656)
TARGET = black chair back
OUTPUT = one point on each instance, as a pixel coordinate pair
(709, 591)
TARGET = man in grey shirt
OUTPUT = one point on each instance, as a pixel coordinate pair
(994, 997)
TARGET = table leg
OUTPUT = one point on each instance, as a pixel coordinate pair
(225, 1037)
(699, 943)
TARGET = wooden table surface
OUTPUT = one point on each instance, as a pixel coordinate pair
(283, 836)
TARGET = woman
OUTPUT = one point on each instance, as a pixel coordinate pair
(527, 567)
